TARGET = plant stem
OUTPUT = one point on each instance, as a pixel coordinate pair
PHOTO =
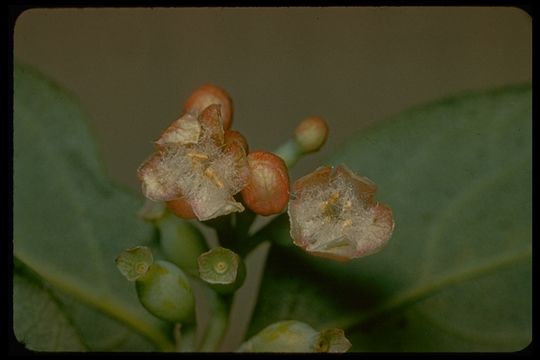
(224, 230)
(269, 232)
(290, 152)
(243, 223)
(185, 337)
(217, 326)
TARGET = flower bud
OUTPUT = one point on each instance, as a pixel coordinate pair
(181, 243)
(162, 288)
(207, 95)
(311, 134)
(235, 147)
(332, 341)
(133, 263)
(267, 190)
(294, 336)
(235, 137)
(166, 293)
(223, 269)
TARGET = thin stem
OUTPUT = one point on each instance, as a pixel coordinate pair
(224, 230)
(290, 152)
(244, 220)
(249, 244)
(185, 337)
(215, 332)
(270, 232)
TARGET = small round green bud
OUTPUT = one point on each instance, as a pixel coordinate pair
(166, 293)
(311, 134)
(284, 336)
(223, 269)
(332, 341)
(181, 242)
(133, 263)
(293, 336)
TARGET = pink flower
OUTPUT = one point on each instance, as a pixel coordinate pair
(333, 214)
(194, 165)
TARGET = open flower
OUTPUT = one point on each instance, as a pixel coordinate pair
(194, 165)
(333, 214)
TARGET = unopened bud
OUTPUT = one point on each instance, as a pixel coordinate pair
(133, 263)
(235, 137)
(267, 190)
(311, 134)
(294, 336)
(181, 242)
(162, 288)
(210, 94)
(223, 269)
(236, 148)
(332, 341)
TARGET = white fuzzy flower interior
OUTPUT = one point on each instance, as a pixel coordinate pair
(332, 217)
(201, 172)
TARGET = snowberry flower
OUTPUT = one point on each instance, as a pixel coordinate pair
(194, 169)
(333, 214)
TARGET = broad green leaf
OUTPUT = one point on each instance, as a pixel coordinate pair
(102, 332)
(39, 319)
(69, 222)
(456, 274)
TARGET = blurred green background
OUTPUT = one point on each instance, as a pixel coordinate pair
(132, 70)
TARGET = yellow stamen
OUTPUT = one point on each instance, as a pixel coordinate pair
(209, 172)
(346, 223)
(329, 206)
(197, 156)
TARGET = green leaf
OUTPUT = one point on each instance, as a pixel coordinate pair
(102, 332)
(39, 319)
(456, 274)
(70, 223)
